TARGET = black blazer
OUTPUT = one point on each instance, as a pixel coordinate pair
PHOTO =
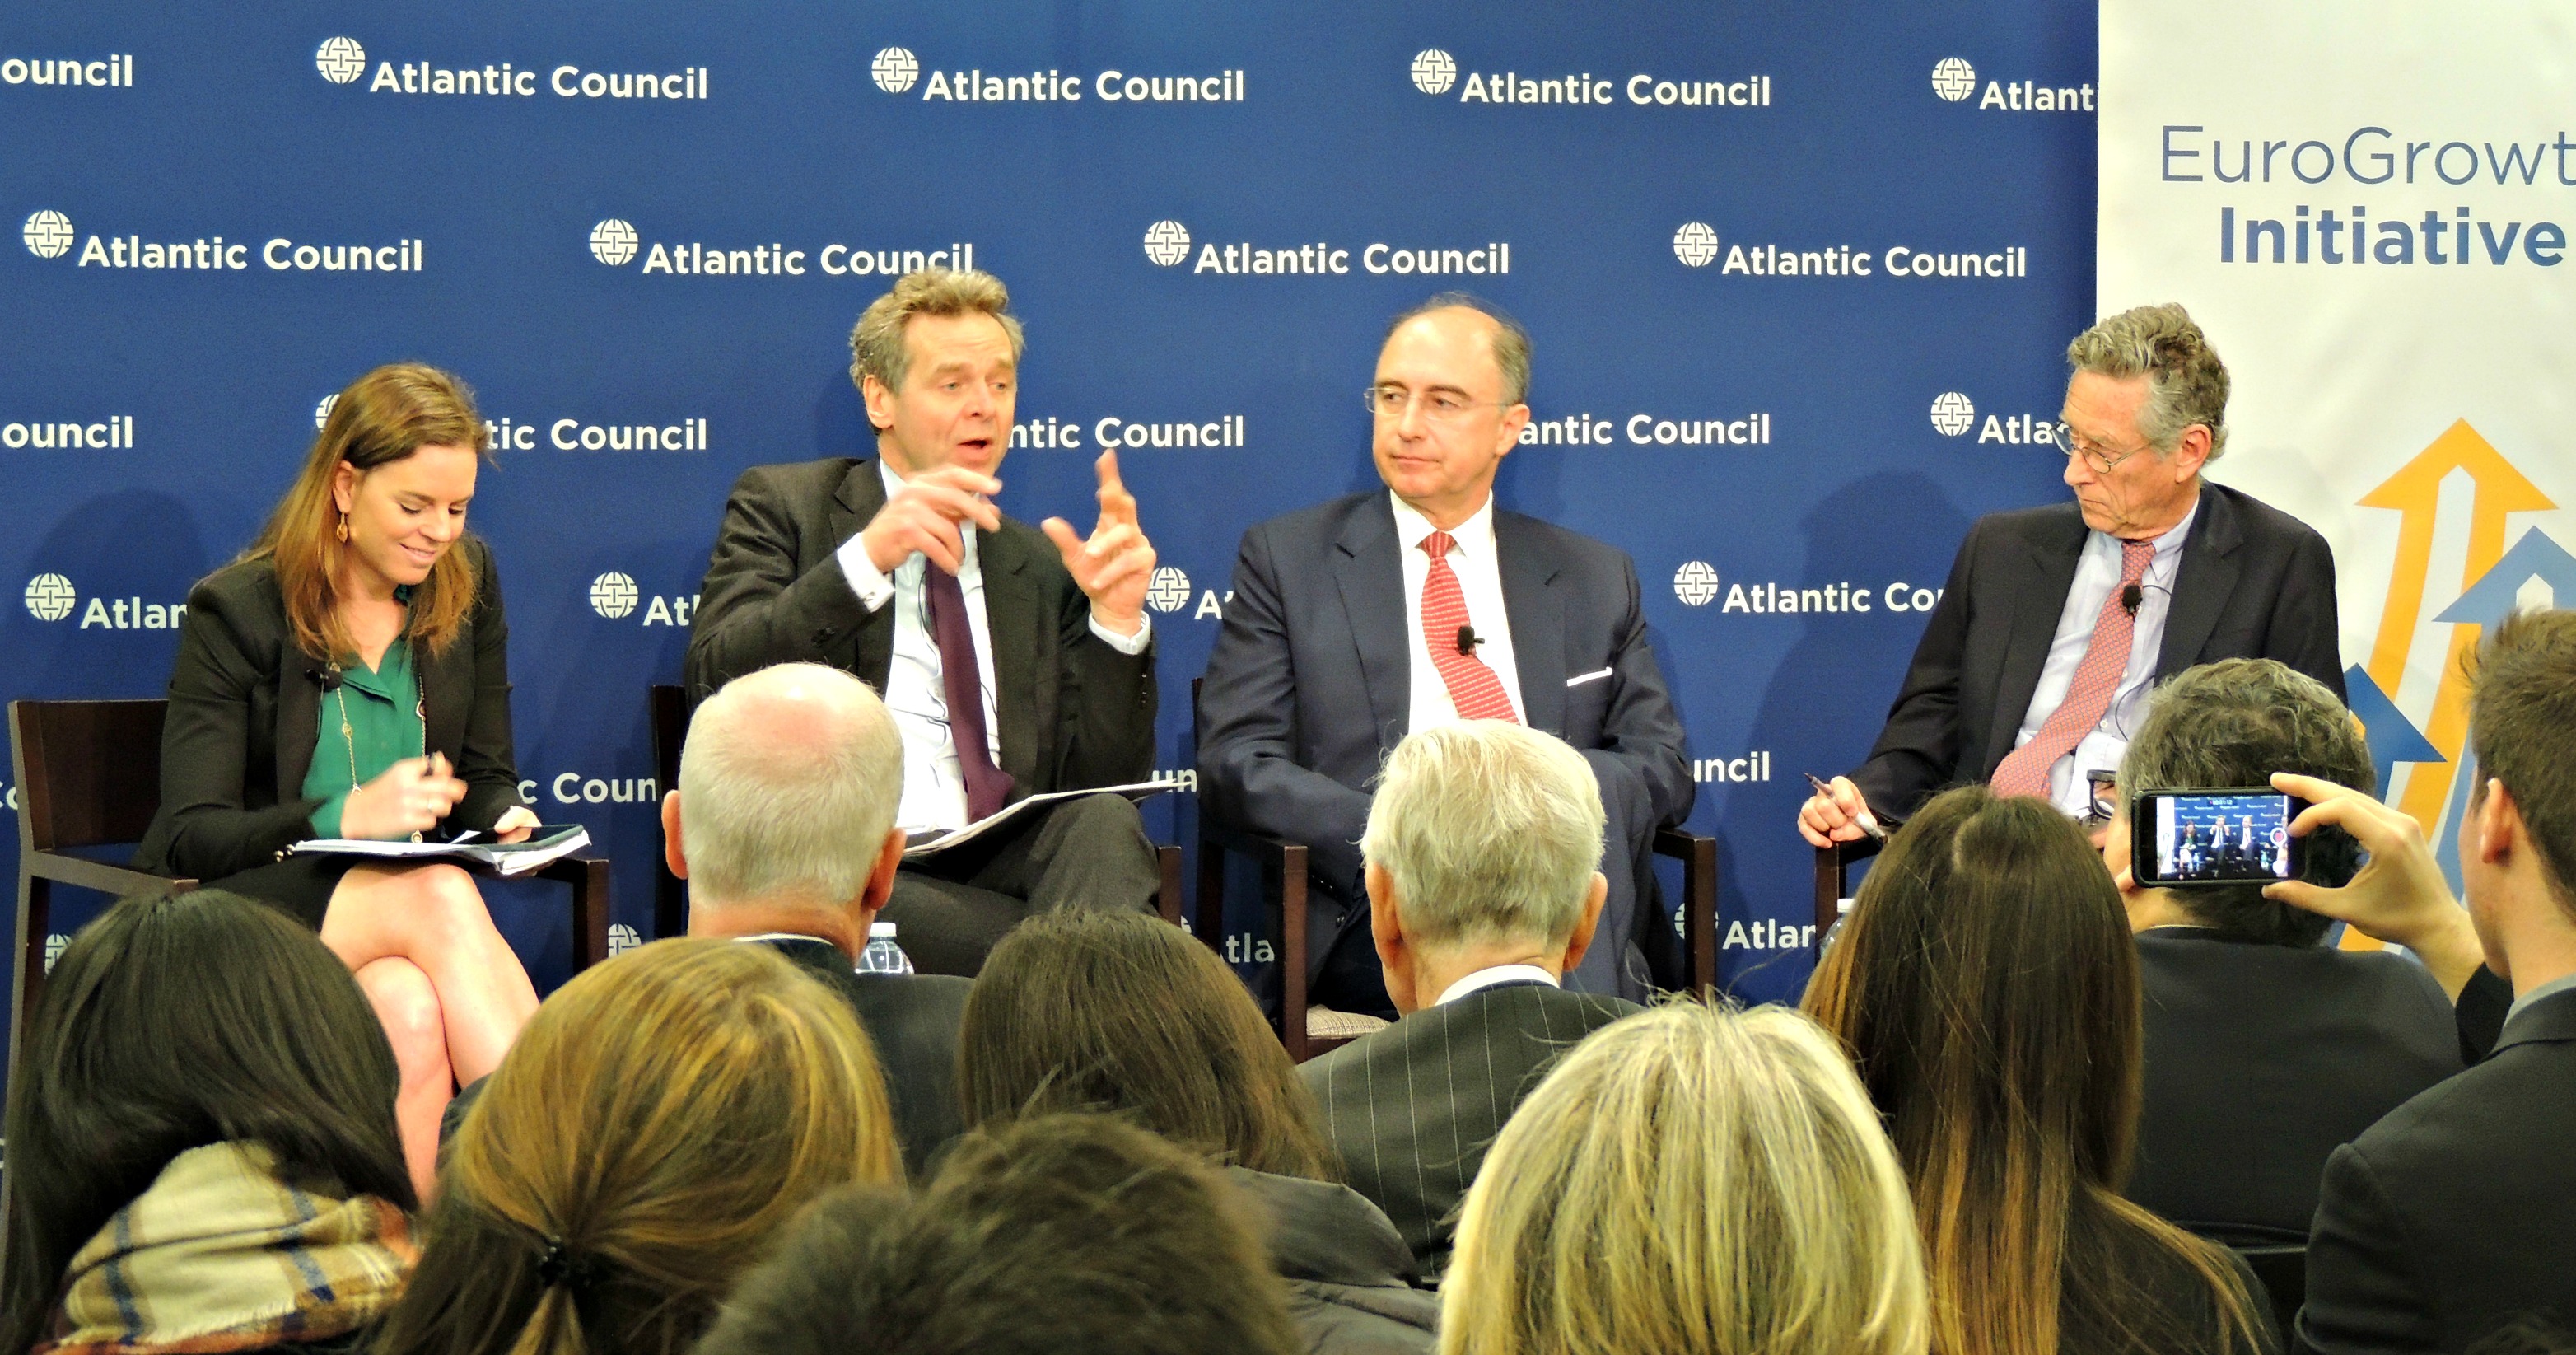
(2457, 1213)
(246, 709)
(2261, 1061)
(1412, 1108)
(1072, 711)
(2255, 583)
(912, 1020)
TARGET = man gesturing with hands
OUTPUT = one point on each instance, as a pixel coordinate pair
(1014, 662)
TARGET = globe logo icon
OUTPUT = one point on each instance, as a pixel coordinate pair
(1952, 414)
(54, 944)
(622, 938)
(340, 60)
(1167, 242)
(613, 596)
(894, 70)
(48, 234)
(50, 597)
(322, 411)
(1169, 591)
(1695, 244)
(1695, 583)
(612, 242)
(1954, 79)
(1433, 71)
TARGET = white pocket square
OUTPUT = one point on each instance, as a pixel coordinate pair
(1588, 677)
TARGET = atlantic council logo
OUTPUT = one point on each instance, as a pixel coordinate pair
(613, 242)
(1954, 79)
(613, 595)
(1170, 589)
(48, 234)
(622, 938)
(1434, 71)
(1953, 414)
(1695, 583)
(341, 60)
(1167, 243)
(894, 70)
(50, 597)
(1695, 244)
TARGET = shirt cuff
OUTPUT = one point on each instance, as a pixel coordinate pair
(1129, 645)
(870, 583)
(326, 818)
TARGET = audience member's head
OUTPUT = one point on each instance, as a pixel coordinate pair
(1987, 988)
(1483, 848)
(2518, 838)
(784, 816)
(2234, 723)
(642, 1145)
(1056, 1234)
(1693, 1181)
(1084, 1010)
(207, 1030)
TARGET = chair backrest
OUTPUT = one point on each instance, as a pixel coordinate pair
(668, 709)
(2283, 1271)
(89, 772)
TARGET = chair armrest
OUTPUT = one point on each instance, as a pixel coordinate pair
(1261, 847)
(119, 881)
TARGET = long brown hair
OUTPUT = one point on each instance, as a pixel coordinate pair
(644, 1143)
(382, 417)
(1087, 1010)
(1987, 987)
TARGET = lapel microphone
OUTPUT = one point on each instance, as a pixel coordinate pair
(327, 676)
(1467, 640)
(2131, 596)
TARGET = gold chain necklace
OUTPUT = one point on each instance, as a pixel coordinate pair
(349, 735)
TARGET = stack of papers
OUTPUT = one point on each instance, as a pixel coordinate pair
(549, 843)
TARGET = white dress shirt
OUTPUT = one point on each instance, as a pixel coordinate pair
(2097, 576)
(916, 693)
(1502, 973)
(1480, 580)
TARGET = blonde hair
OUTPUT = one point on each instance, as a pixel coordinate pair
(1491, 832)
(876, 342)
(1690, 1180)
(644, 1143)
(382, 417)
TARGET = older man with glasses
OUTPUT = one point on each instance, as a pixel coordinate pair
(1381, 614)
(2035, 665)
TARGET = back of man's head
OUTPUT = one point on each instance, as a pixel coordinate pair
(2234, 723)
(2522, 727)
(788, 787)
(1060, 1233)
(1489, 831)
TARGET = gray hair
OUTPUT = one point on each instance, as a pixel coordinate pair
(876, 342)
(1491, 832)
(2234, 723)
(1511, 342)
(2186, 383)
(789, 783)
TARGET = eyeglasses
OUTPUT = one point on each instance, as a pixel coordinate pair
(1390, 402)
(2100, 460)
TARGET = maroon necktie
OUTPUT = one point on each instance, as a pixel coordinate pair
(2088, 698)
(988, 787)
(1473, 688)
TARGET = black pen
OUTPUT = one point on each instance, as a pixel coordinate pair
(1868, 822)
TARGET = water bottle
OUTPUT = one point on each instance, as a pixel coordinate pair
(883, 956)
(1842, 914)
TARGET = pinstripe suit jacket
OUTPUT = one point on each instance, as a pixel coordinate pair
(1412, 1108)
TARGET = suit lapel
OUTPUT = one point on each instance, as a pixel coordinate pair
(446, 691)
(2049, 557)
(854, 503)
(2202, 585)
(299, 718)
(1014, 615)
(1370, 574)
(1536, 613)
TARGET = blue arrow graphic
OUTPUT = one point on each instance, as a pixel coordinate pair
(2486, 602)
(2393, 738)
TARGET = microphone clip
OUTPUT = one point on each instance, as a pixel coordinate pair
(328, 676)
(1468, 639)
(2130, 598)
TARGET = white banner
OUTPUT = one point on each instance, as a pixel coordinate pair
(2371, 208)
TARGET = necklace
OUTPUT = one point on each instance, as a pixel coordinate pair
(349, 735)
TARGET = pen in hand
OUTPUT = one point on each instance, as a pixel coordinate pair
(1868, 822)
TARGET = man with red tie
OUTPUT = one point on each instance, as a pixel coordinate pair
(1359, 621)
(2056, 622)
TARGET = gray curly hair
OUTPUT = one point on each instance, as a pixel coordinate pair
(2186, 383)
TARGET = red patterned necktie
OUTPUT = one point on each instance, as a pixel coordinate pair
(2106, 657)
(1473, 688)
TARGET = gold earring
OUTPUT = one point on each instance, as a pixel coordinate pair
(342, 531)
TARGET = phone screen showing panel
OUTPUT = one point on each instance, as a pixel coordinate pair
(2209, 837)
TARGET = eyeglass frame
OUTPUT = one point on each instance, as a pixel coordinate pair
(1369, 394)
(2065, 438)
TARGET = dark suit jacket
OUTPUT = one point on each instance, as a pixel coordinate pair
(1072, 711)
(2261, 1061)
(1412, 1108)
(912, 1020)
(2458, 1211)
(245, 714)
(2255, 583)
(1309, 686)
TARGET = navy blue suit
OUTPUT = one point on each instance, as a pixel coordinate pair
(1310, 687)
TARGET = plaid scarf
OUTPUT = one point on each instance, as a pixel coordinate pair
(219, 1255)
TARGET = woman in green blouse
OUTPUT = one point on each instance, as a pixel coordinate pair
(348, 677)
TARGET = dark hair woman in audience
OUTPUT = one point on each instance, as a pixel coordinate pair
(1987, 988)
(347, 677)
(1082, 1010)
(663, 1117)
(202, 1153)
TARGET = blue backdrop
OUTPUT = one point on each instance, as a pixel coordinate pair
(1799, 278)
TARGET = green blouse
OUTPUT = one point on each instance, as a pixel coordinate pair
(383, 713)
